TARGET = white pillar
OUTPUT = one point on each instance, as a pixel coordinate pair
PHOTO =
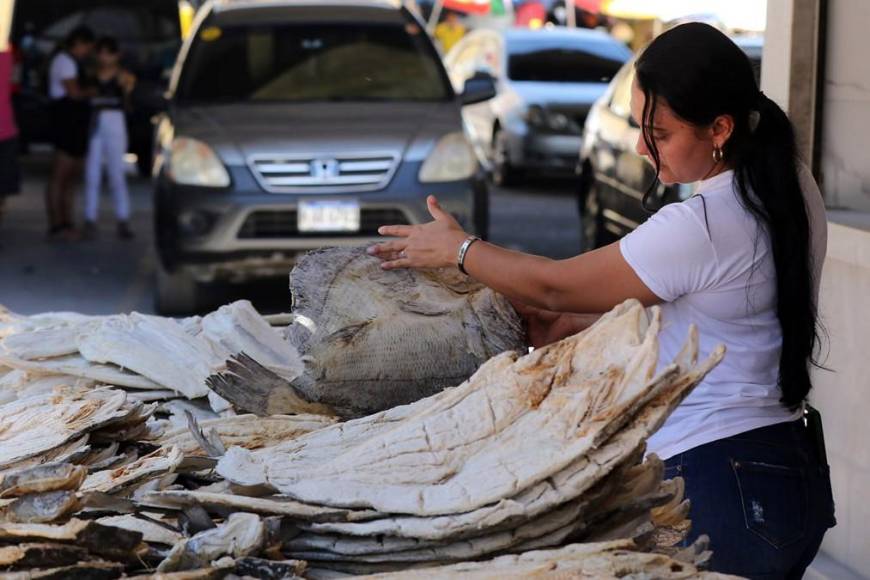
(789, 65)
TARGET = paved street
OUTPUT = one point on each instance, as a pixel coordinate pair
(108, 275)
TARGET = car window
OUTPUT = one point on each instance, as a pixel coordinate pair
(557, 60)
(312, 62)
(64, 26)
(131, 22)
(620, 103)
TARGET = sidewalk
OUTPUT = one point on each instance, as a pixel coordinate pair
(102, 276)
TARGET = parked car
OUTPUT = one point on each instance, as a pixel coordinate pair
(149, 38)
(294, 125)
(613, 176)
(546, 82)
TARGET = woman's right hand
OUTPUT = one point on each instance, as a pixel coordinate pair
(544, 327)
(539, 323)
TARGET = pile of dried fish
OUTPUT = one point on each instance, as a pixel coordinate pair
(117, 458)
(532, 451)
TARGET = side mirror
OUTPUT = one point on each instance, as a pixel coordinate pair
(479, 88)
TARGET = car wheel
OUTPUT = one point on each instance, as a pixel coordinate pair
(144, 161)
(177, 293)
(503, 173)
(481, 210)
(593, 233)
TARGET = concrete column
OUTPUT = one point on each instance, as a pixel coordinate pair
(790, 64)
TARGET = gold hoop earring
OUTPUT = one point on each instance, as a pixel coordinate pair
(717, 154)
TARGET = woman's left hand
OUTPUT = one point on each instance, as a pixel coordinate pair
(432, 245)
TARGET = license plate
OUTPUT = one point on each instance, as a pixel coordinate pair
(328, 216)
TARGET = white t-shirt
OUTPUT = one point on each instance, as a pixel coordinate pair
(723, 280)
(63, 68)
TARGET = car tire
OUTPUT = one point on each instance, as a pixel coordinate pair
(480, 211)
(177, 293)
(144, 162)
(504, 174)
(592, 231)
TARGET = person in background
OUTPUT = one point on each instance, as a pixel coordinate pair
(449, 31)
(108, 138)
(70, 113)
(10, 178)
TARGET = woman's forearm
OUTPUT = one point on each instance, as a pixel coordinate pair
(518, 276)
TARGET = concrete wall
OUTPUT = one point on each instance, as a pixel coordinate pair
(843, 396)
(846, 118)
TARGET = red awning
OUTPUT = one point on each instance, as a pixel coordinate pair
(593, 6)
(468, 6)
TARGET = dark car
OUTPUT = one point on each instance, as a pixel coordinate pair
(294, 125)
(149, 37)
(546, 82)
(613, 176)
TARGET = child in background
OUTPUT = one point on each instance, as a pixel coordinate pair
(108, 140)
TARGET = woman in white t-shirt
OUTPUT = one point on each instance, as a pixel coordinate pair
(741, 259)
(70, 119)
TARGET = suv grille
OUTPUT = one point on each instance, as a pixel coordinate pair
(271, 224)
(328, 173)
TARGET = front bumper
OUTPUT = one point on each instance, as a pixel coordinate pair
(546, 152)
(243, 232)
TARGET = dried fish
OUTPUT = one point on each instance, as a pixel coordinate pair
(373, 339)
(45, 342)
(24, 556)
(38, 508)
(38, 424)
(76, 366)
(89, 570)
(238, 327)
(274, 505)
(270, 569)
(150, 466)
(74, 451)
(156, 348)
(248, 431)
(242, 534)
(50, 477)
(152, 531)
(616, 559)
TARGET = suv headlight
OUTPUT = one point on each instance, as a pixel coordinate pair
(452, 159)
(192, 162)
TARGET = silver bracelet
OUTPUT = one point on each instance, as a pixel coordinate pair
(463, 249)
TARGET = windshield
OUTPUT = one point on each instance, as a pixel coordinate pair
(594, 61)
(312, 62)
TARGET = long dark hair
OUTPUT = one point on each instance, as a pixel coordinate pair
(701, 74)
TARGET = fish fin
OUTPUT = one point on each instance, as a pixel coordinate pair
(251, 387)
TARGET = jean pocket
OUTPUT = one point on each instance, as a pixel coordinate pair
(774, 500)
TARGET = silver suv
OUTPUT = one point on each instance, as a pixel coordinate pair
(296, 124)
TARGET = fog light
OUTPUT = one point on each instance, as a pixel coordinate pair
(195, 223)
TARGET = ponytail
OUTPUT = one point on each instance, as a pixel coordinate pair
(766, 173)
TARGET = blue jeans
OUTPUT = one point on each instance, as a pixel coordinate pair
(763, 497)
